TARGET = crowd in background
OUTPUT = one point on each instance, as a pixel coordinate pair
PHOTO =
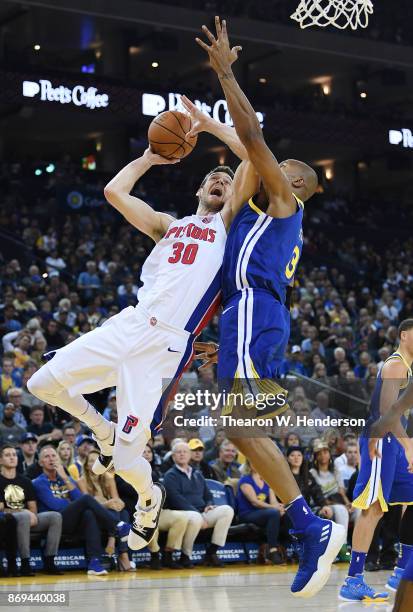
(64, 272)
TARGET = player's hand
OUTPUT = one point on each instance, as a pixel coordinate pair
(220, 53)
(373, 448)
(157, 160)
(207, 352)
(199, 119)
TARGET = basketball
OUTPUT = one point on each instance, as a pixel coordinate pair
(167, 135)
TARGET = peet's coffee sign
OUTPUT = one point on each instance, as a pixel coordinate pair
(79, 95)
(153, 104)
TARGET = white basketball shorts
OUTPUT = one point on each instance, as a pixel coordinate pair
(139, 354)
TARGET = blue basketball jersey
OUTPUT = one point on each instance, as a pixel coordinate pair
(376, 396)
(262, 252)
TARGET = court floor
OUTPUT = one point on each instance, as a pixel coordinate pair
(232, 589)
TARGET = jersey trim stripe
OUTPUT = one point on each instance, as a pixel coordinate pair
(250, 236)
(161, 409)
(209, 300)
(249, 249)
(255, 207)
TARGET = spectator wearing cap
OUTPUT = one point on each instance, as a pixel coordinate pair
(10, 432)
(15, 396)
(226, 468)
(187, 490)
(28, 452)
(37, 424)
(84, 444)
(22, 305)
(81, 514)
(17, 496)
(197, 448)
(257, 504)
(294, 363)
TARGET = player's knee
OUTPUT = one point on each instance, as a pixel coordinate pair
(43, 385)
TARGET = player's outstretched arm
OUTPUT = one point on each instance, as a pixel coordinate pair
(136, 211)
(204, 123)
(282, 201)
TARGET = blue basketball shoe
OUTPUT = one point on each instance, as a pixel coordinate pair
(355, 589)
(394, 580)
(321, 541)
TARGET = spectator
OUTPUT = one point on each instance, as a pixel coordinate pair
(111, 412)
(9, 376)
(226, 468)
(88, 280)
(10, 432)
(28, 452)
(361, 369)
(81, 514)
(331, 484)
(14, 395)
(84, 445)
(308, 486)
(347, 469)
(18, 496)
(103, 489)
(257, 504)
(53, 336)
(187, 490)
(294, 363)
(69, 433)
(197, 447)
(66, 454)
(212, 446)
(37, 425)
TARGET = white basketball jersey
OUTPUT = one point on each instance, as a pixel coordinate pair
(182, 275)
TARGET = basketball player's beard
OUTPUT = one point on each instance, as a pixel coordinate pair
(207, 208)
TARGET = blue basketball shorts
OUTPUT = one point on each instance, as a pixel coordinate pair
(385, 479)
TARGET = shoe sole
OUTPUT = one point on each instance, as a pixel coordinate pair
(391, 588)
(93, 573)
(322, 574)
(131, 544)
(365, 600)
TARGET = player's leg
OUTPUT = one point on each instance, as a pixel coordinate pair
(87, 364)
(402, 493)
(142, 379)
(252, 341)
(371, 493)
(404, 597)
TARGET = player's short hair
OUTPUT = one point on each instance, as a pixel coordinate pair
(225, 169)
(404, 326)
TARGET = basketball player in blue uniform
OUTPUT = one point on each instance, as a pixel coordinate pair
(261, 256)
(385, 479)
(390, 422)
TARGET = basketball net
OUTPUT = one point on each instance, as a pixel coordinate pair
(339, 13)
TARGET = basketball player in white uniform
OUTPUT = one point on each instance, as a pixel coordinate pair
(143, 350)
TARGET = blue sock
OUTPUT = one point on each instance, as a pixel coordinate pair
(356, 563)
(404, 555)
(300, 513)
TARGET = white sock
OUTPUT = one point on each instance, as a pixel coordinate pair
(80, 408)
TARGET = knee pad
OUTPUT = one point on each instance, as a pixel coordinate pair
(44, 385)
